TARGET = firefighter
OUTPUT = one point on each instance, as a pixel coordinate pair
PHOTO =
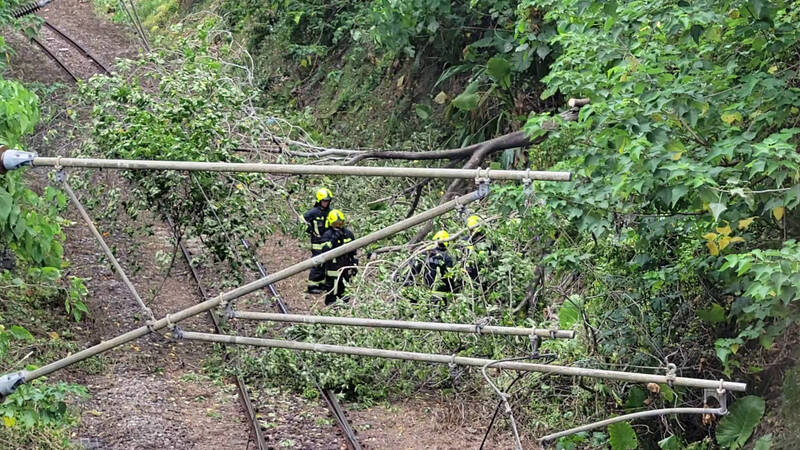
(476, 246)
(315, 220)
(341, 269)
(435, 268)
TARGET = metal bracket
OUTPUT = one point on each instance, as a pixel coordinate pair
(482, 180)
(9, 383)
(230, 313)
(177, 332)
(721, 395)
(11, 159)
(534, 346)
(61, 176)
(527, 182)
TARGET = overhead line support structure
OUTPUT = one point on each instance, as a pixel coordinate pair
(301, 169)
(468, 361)
(404, 324)
(9, 382)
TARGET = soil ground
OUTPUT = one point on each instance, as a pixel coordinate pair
(154, 392)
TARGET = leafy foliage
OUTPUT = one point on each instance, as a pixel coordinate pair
(622, 437)
(195, 113)
(736, 428)
(40, 406)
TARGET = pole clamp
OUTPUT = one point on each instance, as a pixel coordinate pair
(482, 180)
(720, 395)
(527, 182)
(480, 323)
(9, 383)
(534, 345)
(672, 370)
(11, 159)
(177, 332)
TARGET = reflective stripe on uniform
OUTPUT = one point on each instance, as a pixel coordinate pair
(314, 283)
(319, 246)
(333, 273)
(345, 240)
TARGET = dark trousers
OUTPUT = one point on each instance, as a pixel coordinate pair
(336, 286)
(316, 277)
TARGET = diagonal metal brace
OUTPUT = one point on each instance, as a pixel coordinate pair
(9, 383)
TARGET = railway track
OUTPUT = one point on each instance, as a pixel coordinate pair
(241, 387)
(328, 396)
(70, 43)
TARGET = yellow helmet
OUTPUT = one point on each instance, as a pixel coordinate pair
(334, 216)
(324, 194)
(472, 221)
(441, 236)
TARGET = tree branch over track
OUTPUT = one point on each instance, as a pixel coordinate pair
(479, 152)
(510, 140)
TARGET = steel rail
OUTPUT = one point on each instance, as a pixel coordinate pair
(54, 58)
(9, 382)
(468, 361)
(327, 395)
(404, 324)
(241, 387)
(76, 45)
(301, 169)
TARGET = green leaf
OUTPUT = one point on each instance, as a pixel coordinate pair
(469, 99)
(569, 314)
(622, 437)
(714, 314)
(735, 429)
(423, 111)
(671, 443)
(636, 398)
(20, 333)
(5, 206)
(499, 69)
(764, 442)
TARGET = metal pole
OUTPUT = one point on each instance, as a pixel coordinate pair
(104, 246)
(406, 325)
(465, 361)
(128, 164)
(639, 415)
(253, 286)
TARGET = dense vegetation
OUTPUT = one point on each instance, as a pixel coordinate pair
(675, 243)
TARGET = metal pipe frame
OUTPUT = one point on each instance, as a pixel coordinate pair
(637, 415)
(301, 169)
(466, 361)
(221, 300)
(403, 324)
(109, 254)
